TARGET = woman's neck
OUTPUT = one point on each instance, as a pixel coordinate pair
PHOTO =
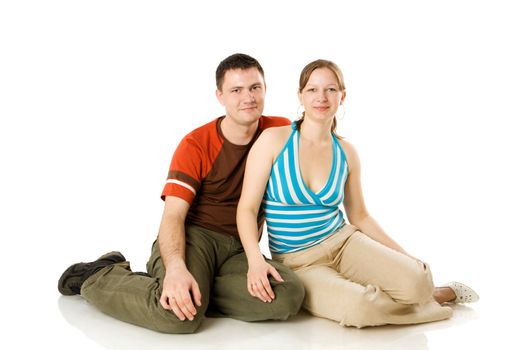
(316, 132)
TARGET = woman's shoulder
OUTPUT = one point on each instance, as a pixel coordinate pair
(271, 141)
(346, 146)
(349, 150)
(276, 133)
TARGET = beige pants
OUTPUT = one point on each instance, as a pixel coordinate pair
(356, 281)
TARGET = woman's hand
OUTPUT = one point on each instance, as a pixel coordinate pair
(257, 280)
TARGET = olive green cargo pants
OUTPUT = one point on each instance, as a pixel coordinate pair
(219, 265)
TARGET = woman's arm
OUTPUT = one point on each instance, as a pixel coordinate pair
(256, 175)
(354, 203)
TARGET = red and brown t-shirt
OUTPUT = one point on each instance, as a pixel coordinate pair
(207, 171)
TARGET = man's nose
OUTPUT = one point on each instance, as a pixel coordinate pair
(250, 95)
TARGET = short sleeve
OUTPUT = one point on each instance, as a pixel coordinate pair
(186, 169)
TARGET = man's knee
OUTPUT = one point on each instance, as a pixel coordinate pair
(176, 326)
(289, 296)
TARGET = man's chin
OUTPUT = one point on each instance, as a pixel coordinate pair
(251, 115)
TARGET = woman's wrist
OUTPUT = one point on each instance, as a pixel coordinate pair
(255, 257)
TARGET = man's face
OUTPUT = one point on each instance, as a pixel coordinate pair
(242, 95)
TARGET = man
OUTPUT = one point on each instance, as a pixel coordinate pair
(197, 263)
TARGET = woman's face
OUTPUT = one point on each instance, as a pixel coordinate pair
(321, 95)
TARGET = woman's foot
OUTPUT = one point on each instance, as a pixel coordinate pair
(455, 292)
(444, 295)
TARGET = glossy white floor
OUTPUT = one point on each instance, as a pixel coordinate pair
(94, 97)
(90, 329)
(40, 317)
(36, 315)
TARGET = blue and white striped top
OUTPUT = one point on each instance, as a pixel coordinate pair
(296, 217)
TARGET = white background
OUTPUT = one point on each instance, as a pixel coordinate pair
(95, 96)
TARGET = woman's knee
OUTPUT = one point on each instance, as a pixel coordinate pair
(418, 286)
(363, 310)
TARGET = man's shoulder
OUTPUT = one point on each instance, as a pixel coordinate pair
(203, 134)
(205, 129)
(273, 121)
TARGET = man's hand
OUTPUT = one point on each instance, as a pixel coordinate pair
(257, 280)
(178, 288)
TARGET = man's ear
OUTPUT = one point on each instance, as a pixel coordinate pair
(218, 94)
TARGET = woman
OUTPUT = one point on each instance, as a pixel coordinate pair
(353, 273)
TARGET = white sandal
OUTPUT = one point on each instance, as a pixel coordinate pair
(464, 294)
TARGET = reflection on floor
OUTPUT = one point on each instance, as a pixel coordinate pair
(303, 331)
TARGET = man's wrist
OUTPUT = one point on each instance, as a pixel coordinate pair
(175, 263)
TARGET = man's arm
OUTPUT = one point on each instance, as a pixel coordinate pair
(179, 285)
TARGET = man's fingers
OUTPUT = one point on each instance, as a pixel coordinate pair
(185, 304)
(181, 306)
(164, 302)
(174, 307)
(180, 296)
(195, 291)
